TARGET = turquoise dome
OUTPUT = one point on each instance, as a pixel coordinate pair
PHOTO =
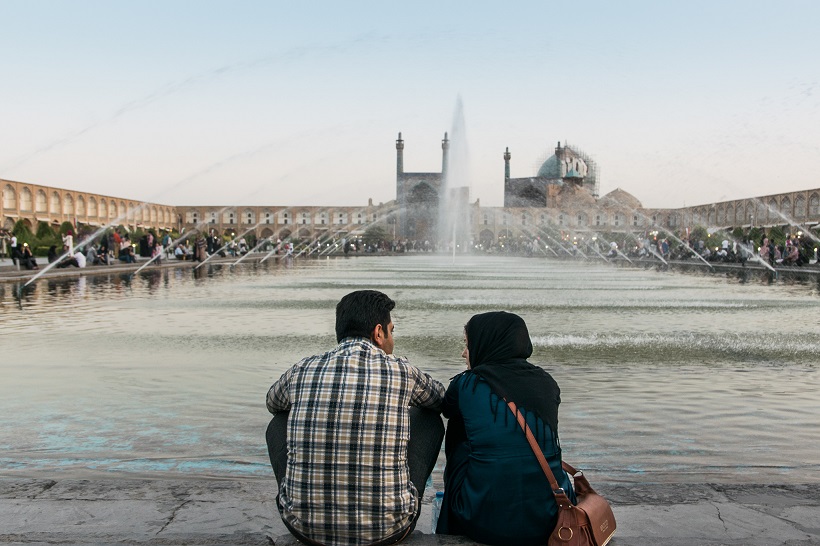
(550, 168)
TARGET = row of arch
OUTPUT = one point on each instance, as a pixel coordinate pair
(759, 211)
(92, 208)
(284, 234)
(559, 219)
(287, 216)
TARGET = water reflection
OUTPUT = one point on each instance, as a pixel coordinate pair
(664, 376)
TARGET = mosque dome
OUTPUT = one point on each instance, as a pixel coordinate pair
(550, 168)
(620, 198)
(573, 174)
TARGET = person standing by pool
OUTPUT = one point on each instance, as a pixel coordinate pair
(495, 491)
(14, 250)
(338, 440)
(68, 241)
(116, 243)
(199, 249)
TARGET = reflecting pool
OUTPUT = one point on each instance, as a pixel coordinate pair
(665, 377)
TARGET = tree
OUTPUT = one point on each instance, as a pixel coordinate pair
(46, 237)
(777, 235)
(84, 230)
(23, 232)
(65, 227)
(698, 233)
(756, 235)
(374, 235)
(45, 232)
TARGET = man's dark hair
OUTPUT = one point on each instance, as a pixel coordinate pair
(358, 313)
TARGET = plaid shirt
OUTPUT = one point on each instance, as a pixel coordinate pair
(347, 479)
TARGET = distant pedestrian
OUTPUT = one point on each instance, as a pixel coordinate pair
(199, 249)
(68, 241)
(212, 243)
(156, 253)
(166, 244)
(14, 250)
(145, 251)
(117, 240)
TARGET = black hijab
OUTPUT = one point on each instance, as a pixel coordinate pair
(499, 345)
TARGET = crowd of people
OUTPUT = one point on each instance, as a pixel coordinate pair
(795, 251)
(116, 246)
(102, 250)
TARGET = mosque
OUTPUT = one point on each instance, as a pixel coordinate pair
(565, 188)
(561, 198)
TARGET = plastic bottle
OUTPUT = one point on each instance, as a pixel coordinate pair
(437, 509)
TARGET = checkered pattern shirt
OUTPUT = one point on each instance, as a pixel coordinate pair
(347, 479)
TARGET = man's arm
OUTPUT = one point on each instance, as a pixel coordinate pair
(278, 398)
(427, 392)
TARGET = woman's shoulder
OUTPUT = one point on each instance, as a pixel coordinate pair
(467, 381)
(465, 376)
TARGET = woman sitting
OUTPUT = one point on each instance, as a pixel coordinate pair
(495, 490)
(27, 259)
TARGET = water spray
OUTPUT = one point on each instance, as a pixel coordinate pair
(650, 249)
(675, 237)
(617, 250)
(223, 247)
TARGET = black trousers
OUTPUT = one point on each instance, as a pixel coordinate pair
(426, 435)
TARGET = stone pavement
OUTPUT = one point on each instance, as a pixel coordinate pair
(14, 274)
(197, 511)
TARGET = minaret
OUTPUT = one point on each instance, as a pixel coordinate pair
(445, 146)
(507, 157)
(559, 155)
(399, 156)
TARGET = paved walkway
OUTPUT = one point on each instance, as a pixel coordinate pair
(11, 273)
(196, 511)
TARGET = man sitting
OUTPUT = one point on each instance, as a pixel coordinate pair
(77, 260)
(128, 255)
(338, 440)
(180, 252)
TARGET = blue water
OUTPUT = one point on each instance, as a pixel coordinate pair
(665, 377)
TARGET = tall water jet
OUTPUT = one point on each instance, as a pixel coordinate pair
(454, 210)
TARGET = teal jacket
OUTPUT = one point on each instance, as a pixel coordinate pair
(494, 489)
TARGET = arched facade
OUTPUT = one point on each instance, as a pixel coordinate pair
(34, 203)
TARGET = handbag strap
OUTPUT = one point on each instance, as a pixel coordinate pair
(558, 491)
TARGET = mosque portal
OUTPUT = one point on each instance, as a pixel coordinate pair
(418, 195)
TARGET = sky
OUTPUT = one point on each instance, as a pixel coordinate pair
(300, 103)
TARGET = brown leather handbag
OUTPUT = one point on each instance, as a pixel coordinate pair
(590, 522)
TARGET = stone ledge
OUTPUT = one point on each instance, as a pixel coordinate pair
(238, 512)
